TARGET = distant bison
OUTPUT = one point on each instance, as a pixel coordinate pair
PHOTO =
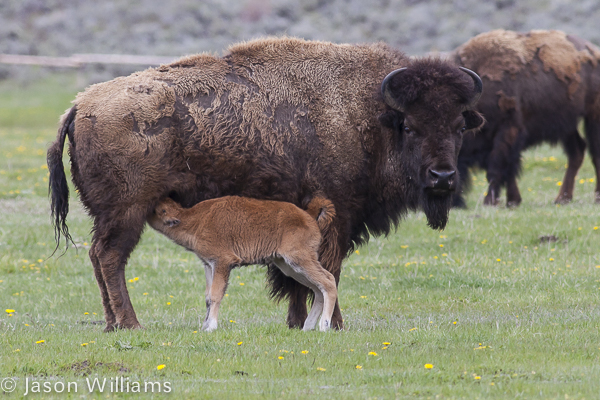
(281, 119)
(537, 87)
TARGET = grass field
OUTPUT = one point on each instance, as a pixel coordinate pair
(484, 309)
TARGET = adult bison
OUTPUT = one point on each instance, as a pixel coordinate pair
(537, 86)
(279, 119)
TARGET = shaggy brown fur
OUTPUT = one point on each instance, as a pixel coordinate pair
(537, 86)
(279, 119)
(232, 231)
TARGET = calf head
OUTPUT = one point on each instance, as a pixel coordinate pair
(166, 215)
(432, 100)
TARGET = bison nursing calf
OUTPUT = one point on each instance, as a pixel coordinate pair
(538, 85)
(283, 119)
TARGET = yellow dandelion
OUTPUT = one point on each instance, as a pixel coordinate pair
(321, 369)
(86, 313)
(145, 294)
(136, 279)
(240, 343)
(161, 366)
(304, 351)
(8, 310)
(131, 281)
(357, 252)
(40, 341)
(455, 322)
(232, 321)
(477, 377)
(386, 343)
(195, 332)
(242, 283)
(595, 228)
(441, 245)
(428, 366)
(84, 344)
(372, 353)
(413, 329)
(551, 259)
(363, 297)
(358, 367)
(559, 183)
(404, 246)
(280, 357)
(168, 303)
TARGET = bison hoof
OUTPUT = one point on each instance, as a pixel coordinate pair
(114, 327)
(563, 200)
(338, 325)
(490, 202)
(513, 203)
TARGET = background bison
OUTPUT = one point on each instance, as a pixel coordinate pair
(277, 119)
(537, 87)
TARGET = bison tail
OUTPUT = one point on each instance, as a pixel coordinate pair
(322, 210)
(58, 189)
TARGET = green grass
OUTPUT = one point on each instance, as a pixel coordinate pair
(497, 313)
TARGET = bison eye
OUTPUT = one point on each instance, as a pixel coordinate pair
(464, 128)
(408, 130)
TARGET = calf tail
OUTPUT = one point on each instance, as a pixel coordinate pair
(58, 188)
(322, 210)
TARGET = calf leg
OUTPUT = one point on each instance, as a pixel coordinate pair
(220, 279)
(574, 146)
(305, 269)
(112, 244)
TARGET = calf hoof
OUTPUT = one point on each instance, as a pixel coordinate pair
(209, 325)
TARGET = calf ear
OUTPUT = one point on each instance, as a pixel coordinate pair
(172, 222)
(473, 120)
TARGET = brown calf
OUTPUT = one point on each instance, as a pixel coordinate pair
(233, 231)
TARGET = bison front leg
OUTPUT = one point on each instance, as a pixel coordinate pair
(503, 166)
(111, 248)
(513, 196)
(592, 134)
(574, 146)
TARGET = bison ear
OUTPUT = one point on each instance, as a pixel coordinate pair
(170, 222)
(473, 120)
(392, 119)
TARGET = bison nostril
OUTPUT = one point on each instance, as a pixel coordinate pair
(441, 175)
(442, 179)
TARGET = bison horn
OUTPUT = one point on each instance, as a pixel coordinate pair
(387, 93)
(477, 84)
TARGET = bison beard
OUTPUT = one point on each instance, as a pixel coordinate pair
(436, 209)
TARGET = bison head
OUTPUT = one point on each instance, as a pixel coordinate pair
(431, 101)
(166, 215)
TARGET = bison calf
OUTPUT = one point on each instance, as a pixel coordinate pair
(537, 86)
(232, 231)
